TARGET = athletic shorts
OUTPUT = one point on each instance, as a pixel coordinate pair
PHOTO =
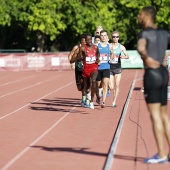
(78, 75)
(115, 71)
(89, 69)
(155, 85)
(103, 74)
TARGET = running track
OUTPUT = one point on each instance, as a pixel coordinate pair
(43, 127)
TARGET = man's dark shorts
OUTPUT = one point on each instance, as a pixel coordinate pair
(78, 75)
(115, 71)
(103, 74)
(155, 85)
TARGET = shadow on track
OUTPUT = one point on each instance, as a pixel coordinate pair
(74, 150)
(58, 104)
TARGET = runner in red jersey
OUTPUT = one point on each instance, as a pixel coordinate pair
(89, 54)
(89, 62)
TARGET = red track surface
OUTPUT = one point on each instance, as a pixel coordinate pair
(43, 127)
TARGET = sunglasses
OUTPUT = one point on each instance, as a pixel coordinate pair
(97, 32)
(115, 36)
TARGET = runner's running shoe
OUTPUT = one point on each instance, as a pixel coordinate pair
(114, 105)
(155, 160)
(87, 103)
(83, 104)
(91, 105)
(84, 99)
(108, 93)
(103, 105)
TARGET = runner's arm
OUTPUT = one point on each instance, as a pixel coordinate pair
(72, 52)
(71, 55)
(81, 54)
(97, 55)
(74, 57)
(125, 56)
(111, 53)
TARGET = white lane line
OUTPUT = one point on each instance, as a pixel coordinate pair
(10, 82)
(35, 101)
(119, 127)
(28, 87)
(12, 161)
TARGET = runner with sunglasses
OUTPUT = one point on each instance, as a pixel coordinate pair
(115, 66)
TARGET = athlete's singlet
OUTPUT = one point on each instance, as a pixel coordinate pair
(89, 62)
(157, 41)
(79, 64)
(116, 62)
(104, 57)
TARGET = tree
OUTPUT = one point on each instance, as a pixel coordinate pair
(59, 23)
(8, 12)
(46, 19)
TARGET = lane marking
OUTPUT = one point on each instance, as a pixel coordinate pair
(114, 143)
(10, 82)
(35, 101)
(28, 87)
(12, 161)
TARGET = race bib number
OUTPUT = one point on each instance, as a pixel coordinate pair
(90, 59)
(115, 59)
(103, 58)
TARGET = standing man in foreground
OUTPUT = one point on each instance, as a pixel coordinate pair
(151, 45)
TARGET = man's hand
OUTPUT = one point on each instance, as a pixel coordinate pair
(151, 63)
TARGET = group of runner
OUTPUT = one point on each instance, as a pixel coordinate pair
(97, 65)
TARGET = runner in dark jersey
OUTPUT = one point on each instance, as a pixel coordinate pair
(77, 65)
(152, 44)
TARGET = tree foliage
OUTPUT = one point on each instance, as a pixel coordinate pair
(57, 24)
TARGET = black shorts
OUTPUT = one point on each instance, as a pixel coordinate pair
(78, 75)
(103, 74)
(155, 85)
(115, 71)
